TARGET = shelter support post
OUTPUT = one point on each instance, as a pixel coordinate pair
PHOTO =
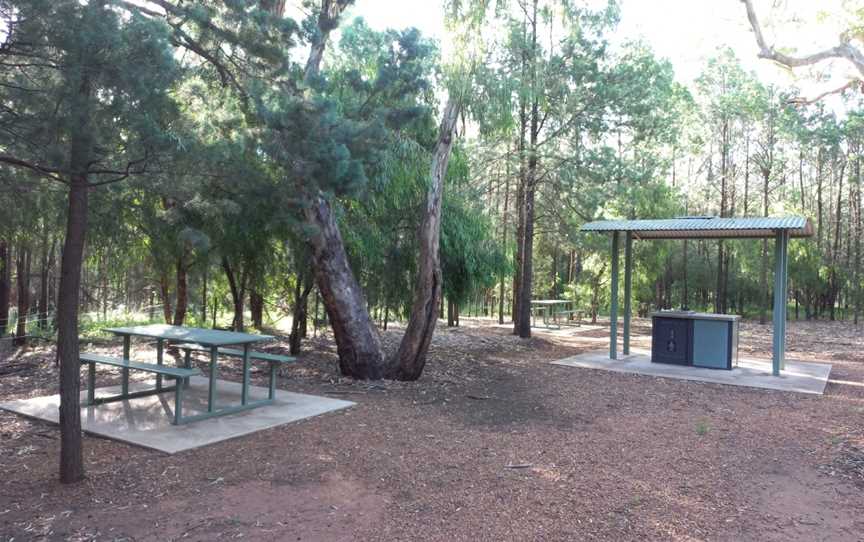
(781, 245)
(628, 289)
(613, 301)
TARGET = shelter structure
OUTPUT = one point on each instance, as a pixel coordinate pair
(781, 229)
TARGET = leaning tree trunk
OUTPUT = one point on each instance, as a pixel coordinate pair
(357, 340)
(411, 356)
(22, 269)
(4, 286)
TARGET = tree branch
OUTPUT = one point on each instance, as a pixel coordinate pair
(856, 84)
(844, 50)
(44, 171)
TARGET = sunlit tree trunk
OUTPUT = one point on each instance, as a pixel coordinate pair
(411, 356)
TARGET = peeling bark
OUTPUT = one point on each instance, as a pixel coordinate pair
(411, 357)
(357, 340)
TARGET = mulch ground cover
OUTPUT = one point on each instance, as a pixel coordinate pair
(493, 443)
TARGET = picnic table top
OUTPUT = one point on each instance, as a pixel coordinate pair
(549, 301)
(206, 337)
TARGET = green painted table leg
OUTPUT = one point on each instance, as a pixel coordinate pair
(272, 393)
(244, 393)
(178, 402)
(211, 393)
(91, 383)
(187, 363)
(628, 289)
(160, 349)
(127, 348)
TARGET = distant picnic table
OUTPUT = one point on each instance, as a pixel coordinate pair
(549, 310)
(188, 339)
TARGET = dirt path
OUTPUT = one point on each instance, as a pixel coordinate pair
(493, 443)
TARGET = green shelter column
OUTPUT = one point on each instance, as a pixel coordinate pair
(628, 289)
(781, 243)
(613, 301)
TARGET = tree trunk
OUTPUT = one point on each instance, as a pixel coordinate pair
(299, 316)
(720, 294)
(5, 286)
(44, 283)
(357, 340)
(856, 268)
(522, 325)
(22, 270)
(238, 293)
(71, 456)
(256, 308)
(204, 293)
(182, 292)
(520, 189)
(165, 293)
(411, 356)
(504, 241)
(820, 160)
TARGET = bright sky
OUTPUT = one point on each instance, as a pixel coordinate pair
(687, 32)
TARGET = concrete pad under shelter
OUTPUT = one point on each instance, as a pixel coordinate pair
(146, 421)
(798, 376)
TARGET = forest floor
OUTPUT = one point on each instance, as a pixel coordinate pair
(493, 443)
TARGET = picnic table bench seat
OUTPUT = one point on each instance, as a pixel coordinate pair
(273, 360)
(175, 373)
(262, 356)
(170, 372)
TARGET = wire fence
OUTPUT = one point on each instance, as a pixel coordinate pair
(36, 326)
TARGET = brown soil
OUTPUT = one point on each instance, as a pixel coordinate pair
(494, 443)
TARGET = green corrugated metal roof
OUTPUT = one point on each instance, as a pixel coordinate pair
(705, 226)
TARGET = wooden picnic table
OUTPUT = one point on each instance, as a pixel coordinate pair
(197, 339)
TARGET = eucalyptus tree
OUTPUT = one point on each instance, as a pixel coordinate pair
(724, 90)
(538, 93)
(316, 145)
(770, 109)
(85, 102)
(849, 49)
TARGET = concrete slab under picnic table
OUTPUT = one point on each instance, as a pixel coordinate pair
(146, 421)
(798, 376)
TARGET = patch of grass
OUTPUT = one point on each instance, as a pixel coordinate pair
(702, 428)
